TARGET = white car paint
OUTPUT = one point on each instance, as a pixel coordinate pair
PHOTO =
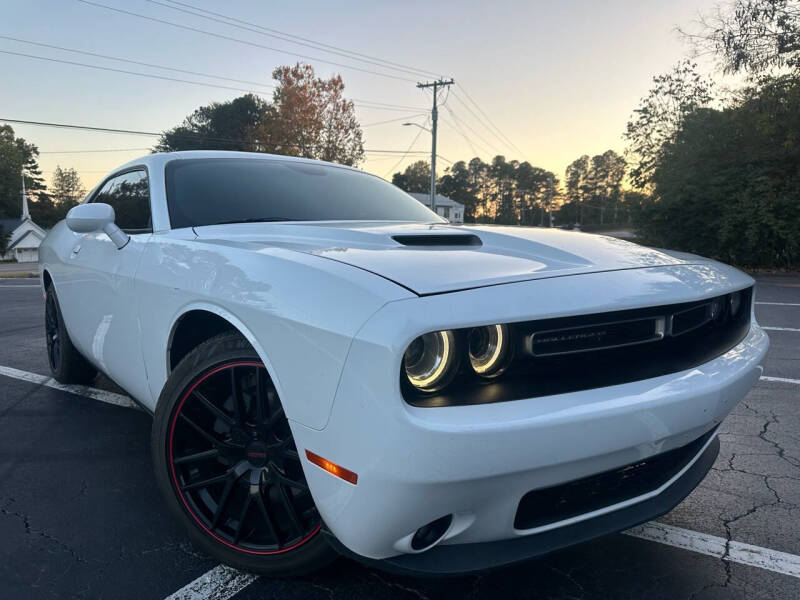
(330, 307)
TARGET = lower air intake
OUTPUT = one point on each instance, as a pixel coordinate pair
(553, 504)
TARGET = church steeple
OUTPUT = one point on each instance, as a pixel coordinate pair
(25, 213)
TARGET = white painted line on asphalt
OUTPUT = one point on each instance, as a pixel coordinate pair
(220, 583)
(24, 285)
(81, 390)
(795, 329)
(780, 379)
(712, 545)
(780, 303)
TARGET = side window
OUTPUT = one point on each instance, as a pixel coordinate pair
(129, 196)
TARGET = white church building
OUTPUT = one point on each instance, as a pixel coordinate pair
(25, 235)
(445, 207)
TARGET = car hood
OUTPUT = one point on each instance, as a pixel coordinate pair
(436, 258)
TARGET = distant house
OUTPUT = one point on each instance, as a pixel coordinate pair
(23, 243)
(445, 207)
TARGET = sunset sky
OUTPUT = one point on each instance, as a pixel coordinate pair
(559, 79)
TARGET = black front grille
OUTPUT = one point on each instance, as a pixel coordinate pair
(554, 504)
(570, 354)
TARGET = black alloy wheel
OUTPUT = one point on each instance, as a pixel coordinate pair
(234, 464)
(51, 331)
(66, 363)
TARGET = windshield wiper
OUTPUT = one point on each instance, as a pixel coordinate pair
(255, 220)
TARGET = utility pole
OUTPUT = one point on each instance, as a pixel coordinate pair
(434, 118)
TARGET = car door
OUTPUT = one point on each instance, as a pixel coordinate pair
(99, 298)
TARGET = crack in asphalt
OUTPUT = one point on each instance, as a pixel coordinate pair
(568, 576)
(473, 592)
(769, 419)
(29, 530)
(329, 591)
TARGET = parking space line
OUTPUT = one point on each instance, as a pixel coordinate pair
(220, 583)
(712, 545)
(80, 390)
(223, 582)
(24, 285)
(780, 303)
(780, 379)
(795, 329)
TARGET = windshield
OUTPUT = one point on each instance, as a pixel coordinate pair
(209, 191)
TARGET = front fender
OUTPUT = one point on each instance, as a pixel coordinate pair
(300, 312)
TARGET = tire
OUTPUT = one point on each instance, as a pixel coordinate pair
(66, 363)
(226, 463)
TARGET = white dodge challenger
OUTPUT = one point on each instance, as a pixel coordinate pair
(334, 369)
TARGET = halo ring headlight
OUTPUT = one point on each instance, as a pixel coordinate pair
(489, 350)
(430, 361)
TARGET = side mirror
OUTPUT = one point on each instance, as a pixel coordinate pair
(96, 216)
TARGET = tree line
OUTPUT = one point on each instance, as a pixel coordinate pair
(705, 170)
(47, 204)
(511, 192)
(720, 170)
(307, 116)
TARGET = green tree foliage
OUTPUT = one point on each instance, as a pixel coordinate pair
(308, 116)
(751, 35)
(507, 192)
(464, 183)
(594, 190)
(66, 190)
(416, 178)
(5, 238)
(230, 125)
(17, 158)
(659, 117)
(728, 184)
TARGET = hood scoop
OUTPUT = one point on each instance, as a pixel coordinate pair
(438, 239)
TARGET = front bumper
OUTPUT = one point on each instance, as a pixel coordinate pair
(455, 559)
(476, 462)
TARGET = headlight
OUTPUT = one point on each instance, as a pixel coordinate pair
(735, 303)
(488, 350)
(430, 361)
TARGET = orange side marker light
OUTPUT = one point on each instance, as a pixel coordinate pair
(332, 468)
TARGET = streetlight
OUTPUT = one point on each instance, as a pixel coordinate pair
(417, 125)
(433, 161)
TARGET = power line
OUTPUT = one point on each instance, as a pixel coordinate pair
(496, 129)
(133, 62)
(483, 124)
(93, 151)
(287, 37)
(180, 136)
(406, 153)
(439, 83)
(126, 72)
(486, 143)
(360, 104)
(238, 40)
(463, 135)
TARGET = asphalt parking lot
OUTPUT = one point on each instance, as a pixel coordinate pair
(80, 515)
